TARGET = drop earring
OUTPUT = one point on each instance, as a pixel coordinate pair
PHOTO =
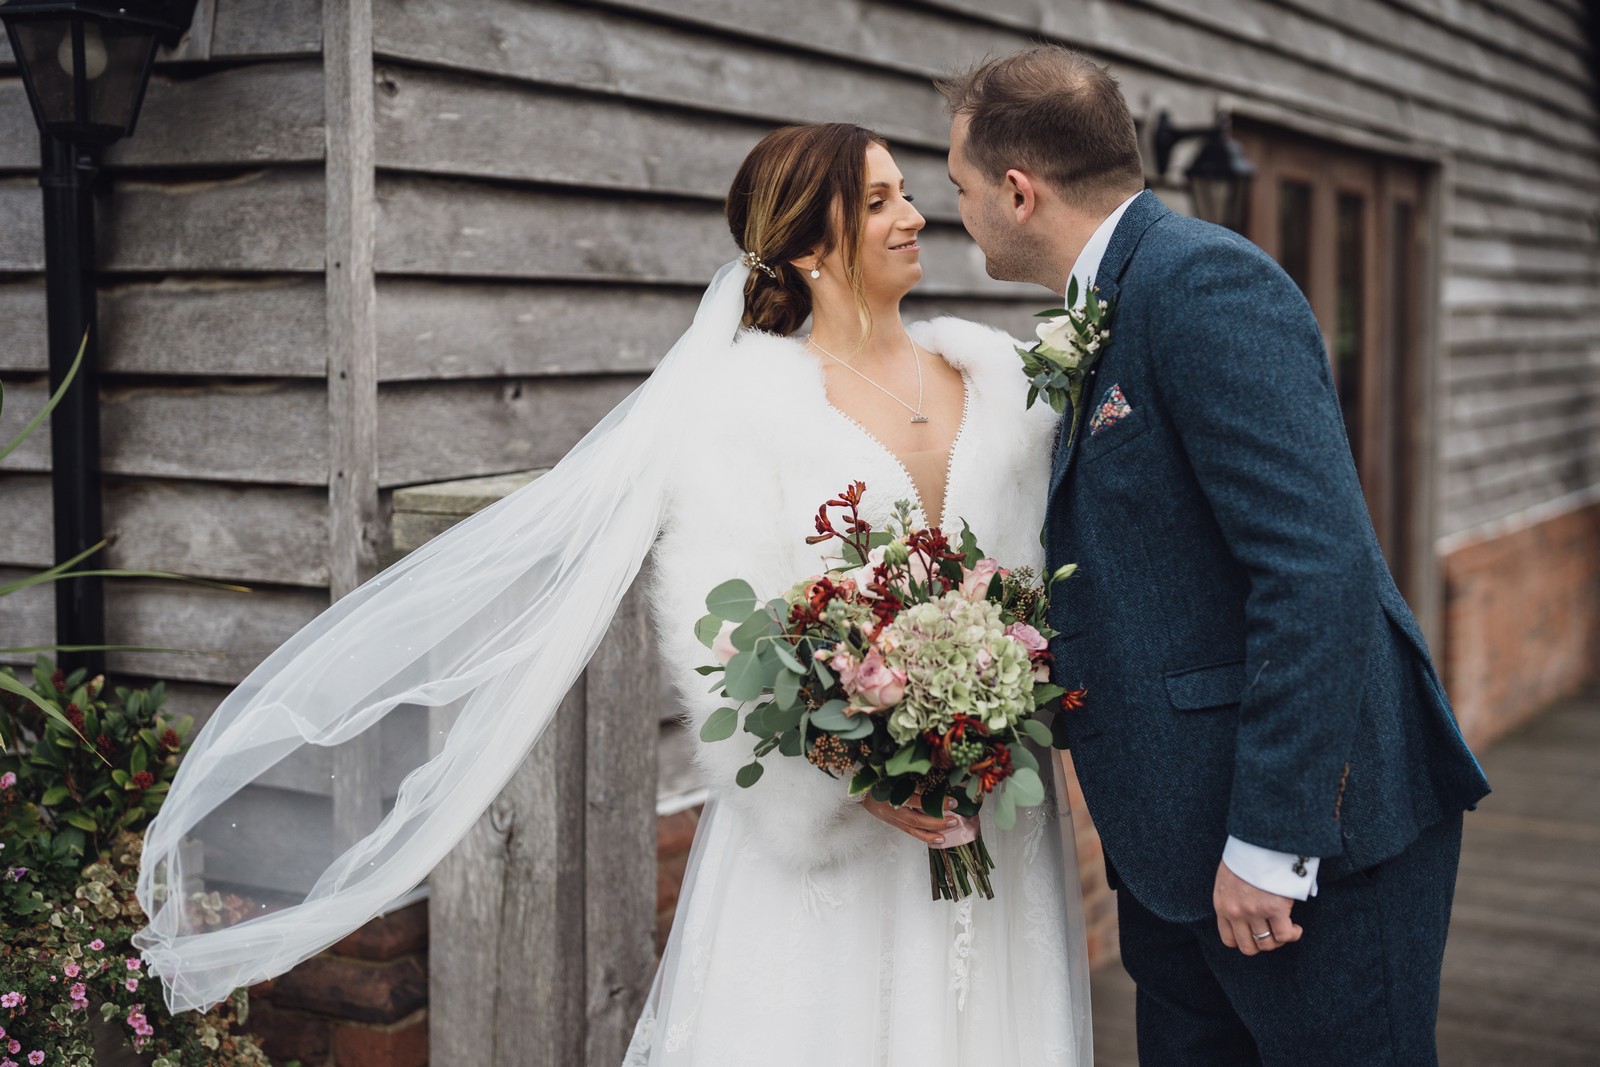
(815, 273)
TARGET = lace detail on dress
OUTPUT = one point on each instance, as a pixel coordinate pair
(961, 954)
(638, 1054)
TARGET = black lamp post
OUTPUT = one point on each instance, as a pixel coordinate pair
(1220, 176)
(85, 65)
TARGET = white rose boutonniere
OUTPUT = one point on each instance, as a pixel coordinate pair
(1070, 340)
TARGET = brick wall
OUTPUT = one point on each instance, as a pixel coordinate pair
(1522, 619)
(362, 1003)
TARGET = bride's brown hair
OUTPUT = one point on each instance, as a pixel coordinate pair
(800, 192)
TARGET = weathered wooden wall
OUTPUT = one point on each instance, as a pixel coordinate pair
(214, 354)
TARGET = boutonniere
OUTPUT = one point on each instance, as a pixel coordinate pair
(1070, 340)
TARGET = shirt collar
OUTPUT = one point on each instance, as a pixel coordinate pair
(1088, 262)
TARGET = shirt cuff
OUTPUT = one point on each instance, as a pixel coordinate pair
(1282, 873)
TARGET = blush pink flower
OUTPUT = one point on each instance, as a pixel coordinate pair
(131, 985)
(877, 686)
(975, 583)
(844, 667)
(13, 1046)
(97, 944)
(134, 963)
(1028, 637)
(12, 999)
(7, 780)
(71, 970)
(36, 1057)
(722, 644)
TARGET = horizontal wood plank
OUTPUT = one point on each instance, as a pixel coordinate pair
(265, 327)
(441, 227)
(440, 431)
(601, 51)
(268, 112)
(264, 220)
(222, 635)
(237, 534)
(250, 28)
(247, 432)
(444, 122)
(442, 329)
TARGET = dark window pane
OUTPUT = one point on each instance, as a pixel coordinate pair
(1348, 327)
(1294, 232)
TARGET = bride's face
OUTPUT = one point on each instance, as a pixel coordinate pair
(890, 258)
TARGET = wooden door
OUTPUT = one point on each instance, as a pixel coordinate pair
(1346, 225)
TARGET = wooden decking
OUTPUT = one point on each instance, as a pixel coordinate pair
(1522, 969)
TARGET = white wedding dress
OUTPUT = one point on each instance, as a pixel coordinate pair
(806, 934)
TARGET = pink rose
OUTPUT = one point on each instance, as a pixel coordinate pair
(1028, 637)
(878, 686)
(844, 667)
(722, 644)
(975, 584)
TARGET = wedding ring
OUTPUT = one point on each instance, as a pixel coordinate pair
(1262, 937)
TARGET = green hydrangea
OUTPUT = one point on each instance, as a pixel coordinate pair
(958, 661)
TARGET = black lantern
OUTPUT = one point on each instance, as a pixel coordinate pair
(1220, 176)
(86, 63)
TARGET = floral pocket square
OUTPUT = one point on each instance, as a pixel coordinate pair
(1114, 407)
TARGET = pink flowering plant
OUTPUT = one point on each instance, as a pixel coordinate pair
(71, 963)
(915, 668)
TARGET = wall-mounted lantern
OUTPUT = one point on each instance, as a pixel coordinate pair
(1220, 175)
(85, 65)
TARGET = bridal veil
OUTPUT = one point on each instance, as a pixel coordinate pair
(449, 665)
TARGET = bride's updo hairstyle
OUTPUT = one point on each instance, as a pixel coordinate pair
(801, 191)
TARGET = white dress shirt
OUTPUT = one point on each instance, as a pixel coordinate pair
(1264, 868)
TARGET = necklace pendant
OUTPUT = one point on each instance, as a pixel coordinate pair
(919, 418)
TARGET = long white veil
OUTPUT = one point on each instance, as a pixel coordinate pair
(449, 665)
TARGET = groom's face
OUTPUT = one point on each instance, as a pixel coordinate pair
(987, 213)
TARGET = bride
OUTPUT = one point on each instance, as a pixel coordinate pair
(805, 934)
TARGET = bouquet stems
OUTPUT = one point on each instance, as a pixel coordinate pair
(954, 871)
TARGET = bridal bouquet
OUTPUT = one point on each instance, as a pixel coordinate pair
(915, 668)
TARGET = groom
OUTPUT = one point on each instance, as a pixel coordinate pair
(1272, 764)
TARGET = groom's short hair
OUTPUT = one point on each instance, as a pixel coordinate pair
(1053, 113)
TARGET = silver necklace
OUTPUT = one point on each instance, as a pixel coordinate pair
(916, 412)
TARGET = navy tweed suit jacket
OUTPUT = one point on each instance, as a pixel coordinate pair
(1251, 667)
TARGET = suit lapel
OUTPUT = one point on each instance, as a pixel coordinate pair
(1145, 210)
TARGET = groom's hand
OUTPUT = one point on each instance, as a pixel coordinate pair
(1244, 911)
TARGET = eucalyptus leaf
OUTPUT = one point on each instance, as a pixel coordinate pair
(732, 601)
(720, 726)
(785, 653)
(747, 633)
(791, 742)
(1023, 758)
(831, 717)
(861, 729)
(1037, 731)
(786, 690)
(746, 677)
(706, 630)
(766, 745)
(1024, 787)
(749, 775)
(1005, 811)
